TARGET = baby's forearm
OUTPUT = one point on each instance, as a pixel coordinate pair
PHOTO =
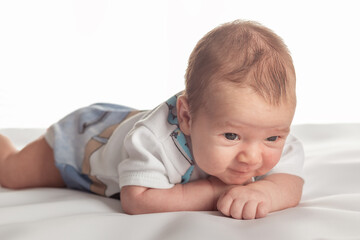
(281, 191)
(194, 196)
(284, 190)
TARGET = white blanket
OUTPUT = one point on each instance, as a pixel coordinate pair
(330, 207)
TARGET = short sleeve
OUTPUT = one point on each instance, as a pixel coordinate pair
(292, 158)
(144, 165)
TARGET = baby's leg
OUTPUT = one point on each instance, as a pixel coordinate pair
(33, 166)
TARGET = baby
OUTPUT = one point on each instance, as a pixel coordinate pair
(222, 144)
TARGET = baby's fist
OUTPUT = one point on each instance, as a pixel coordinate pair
(243, 202)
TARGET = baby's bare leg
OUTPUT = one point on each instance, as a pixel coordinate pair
(33, 166)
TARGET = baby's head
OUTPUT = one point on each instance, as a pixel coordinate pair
(239, 101)
(245, 54)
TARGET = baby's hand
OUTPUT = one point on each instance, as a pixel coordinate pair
(244, 202)
(218, 188)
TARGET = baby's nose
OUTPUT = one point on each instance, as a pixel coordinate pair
(250, 156)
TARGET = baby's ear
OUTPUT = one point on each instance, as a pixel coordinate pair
(183, 114)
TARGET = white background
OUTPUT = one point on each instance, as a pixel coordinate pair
(56, 56)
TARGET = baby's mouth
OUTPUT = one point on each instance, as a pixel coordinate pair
(238, 171)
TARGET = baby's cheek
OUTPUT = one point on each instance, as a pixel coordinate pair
(212, 164)
(270, 160)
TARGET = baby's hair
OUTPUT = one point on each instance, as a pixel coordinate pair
(245, 53)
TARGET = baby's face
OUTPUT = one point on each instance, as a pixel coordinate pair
(238, 135)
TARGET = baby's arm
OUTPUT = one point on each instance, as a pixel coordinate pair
(255, 200)
(200, 195)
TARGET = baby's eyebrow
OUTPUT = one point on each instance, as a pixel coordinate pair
(283, 130)
(240, 125)
(229, 124)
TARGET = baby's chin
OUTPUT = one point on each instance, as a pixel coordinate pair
(237, 181)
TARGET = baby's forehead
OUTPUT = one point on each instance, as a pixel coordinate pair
(244, 107)
(243, 104)
(246, 88)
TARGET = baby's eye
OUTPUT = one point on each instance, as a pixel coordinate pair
(231, 136)
(272, 139)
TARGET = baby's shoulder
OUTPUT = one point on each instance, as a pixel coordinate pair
(156, 122)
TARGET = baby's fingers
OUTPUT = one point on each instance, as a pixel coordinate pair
(224, 204)
(262, 210)
(231, 207)
(250, 210)
(237, 209)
